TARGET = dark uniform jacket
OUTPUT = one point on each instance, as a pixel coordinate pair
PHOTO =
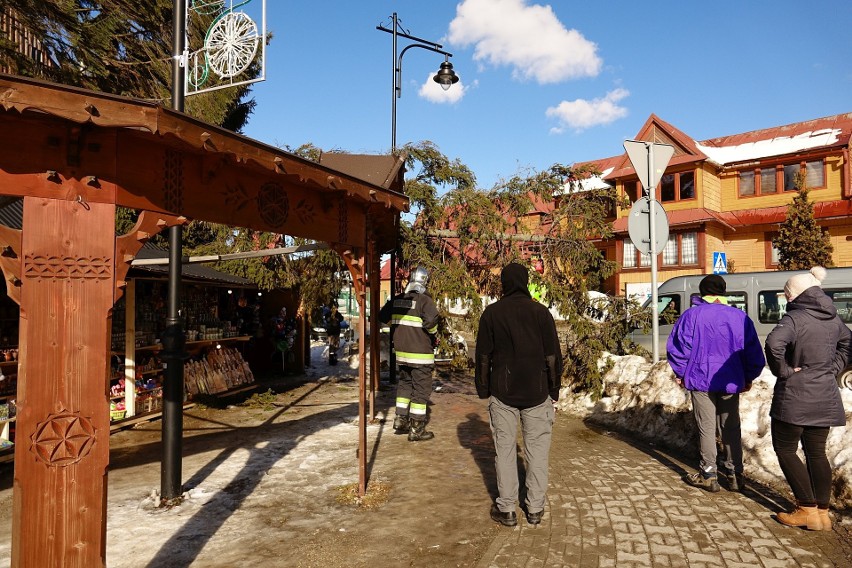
(812, 337)
(414, 318)
(518, 359)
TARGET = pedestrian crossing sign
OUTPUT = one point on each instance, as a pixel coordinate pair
(720, 263)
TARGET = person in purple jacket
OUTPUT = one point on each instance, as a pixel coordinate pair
(715, 354)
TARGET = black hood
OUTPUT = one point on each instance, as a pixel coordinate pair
(515, 279)
(816, 302)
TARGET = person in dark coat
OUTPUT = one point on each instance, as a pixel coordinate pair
(806, 351)
(333, 325)
(715, 354)
(519, 369)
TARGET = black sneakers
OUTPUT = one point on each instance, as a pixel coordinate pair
(509, 519)
(534, 518)
(708, 483)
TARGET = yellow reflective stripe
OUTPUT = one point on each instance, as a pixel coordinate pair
(418, 409)
(433, 329)
(415, 358)
(412, 321)
(402, 402)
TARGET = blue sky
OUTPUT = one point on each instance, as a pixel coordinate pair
(562, 82)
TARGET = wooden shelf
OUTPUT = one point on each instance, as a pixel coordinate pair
(5, 364)
(7, 396)
(148, 372)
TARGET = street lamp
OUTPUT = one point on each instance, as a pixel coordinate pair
(445, 77)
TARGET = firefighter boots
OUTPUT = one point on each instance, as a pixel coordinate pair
(417, 432)
(401, 424)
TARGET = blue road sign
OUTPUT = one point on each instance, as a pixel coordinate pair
(720, 263)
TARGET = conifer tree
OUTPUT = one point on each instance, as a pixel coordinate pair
(801, 242)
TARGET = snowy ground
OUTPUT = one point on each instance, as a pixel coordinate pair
(644, 401)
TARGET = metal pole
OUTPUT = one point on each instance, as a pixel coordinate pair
(395, 79)
(173, 338)
(652, 197)
(395, 86)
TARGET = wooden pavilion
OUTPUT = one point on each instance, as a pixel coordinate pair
(74, 155)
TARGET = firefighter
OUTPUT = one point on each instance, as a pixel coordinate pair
(413, 317)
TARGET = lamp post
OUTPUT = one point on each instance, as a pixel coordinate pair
(445, 77)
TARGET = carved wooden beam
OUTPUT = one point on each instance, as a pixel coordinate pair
(126, 246)
(10, 261)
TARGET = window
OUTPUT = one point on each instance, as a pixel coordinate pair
(771, 250)
(681, 249)
(629, 254)
(790, 173)
(815, 174)
(688, 248)
(677, 187)
(771, 305)
(670, 252)
(735, 300)
(746, 183)
(843, 302)
(632, 190)
(768, 179)
(668, 309)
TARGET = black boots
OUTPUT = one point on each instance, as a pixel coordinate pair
(417, 432)
(401, 425)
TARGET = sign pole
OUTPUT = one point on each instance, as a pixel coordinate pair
(652, 196)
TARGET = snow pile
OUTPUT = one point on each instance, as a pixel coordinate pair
(642, 399)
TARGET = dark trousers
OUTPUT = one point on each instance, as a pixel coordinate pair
(414, 390)
(810, 481)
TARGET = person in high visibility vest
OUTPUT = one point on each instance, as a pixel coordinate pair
(413, 316)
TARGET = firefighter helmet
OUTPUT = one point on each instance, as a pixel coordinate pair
(417, 280)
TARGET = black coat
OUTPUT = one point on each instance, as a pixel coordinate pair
(810, 336)
(518, 359)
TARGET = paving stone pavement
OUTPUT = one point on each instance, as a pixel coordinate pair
(613, 502)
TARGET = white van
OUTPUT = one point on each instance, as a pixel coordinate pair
(759, 294)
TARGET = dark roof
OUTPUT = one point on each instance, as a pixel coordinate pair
(12, 215)
(383, 171)
(200, 272)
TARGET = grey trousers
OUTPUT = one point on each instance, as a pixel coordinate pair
(536, 428)
(718, 412)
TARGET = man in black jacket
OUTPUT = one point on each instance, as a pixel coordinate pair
(519, 366)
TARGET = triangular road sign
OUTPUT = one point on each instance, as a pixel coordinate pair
(638, 151)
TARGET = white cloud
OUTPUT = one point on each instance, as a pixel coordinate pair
(432, 91)
(529, 38)
(580, 114)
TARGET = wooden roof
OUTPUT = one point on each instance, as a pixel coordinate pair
(95, 147)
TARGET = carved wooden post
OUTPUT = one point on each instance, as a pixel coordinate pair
(62, 449)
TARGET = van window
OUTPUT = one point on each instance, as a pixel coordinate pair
(735, 299)
(668, 308)
(843, 302)
(771, 305)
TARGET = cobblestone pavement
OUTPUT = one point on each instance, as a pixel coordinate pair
(617, 503)
(270, 476)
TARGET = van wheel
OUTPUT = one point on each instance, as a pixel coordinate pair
(845, 378)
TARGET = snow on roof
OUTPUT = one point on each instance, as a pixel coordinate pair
(589, 183)
(771, 147)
